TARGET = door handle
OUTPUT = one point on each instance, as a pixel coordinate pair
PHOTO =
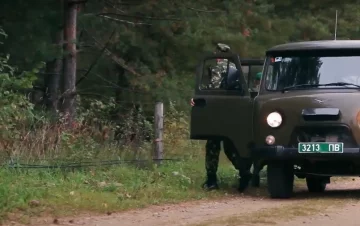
(199, 102)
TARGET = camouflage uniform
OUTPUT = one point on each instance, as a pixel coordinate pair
(218, 73)
(213, 146)
(212, 161)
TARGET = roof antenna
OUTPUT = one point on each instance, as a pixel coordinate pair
(336, 21)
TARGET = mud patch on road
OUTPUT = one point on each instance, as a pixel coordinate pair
(304, 205)
(273, 215)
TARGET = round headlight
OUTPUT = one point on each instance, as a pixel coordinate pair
(274, 119)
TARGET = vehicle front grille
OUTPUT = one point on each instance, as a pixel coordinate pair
(321, 117)
(320, 114)
(319, 134)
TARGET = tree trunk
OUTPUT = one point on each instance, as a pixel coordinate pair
(69, 78)
(52, 78)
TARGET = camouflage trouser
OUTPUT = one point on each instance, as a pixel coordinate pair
(213, 154)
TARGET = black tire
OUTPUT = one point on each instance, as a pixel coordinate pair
(316, 184)
(280, 179)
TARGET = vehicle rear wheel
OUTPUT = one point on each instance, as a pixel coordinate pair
(316, 184)
(280, 179)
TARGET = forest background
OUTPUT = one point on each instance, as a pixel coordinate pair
(80, 78)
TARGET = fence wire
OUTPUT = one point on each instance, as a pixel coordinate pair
(14, 165)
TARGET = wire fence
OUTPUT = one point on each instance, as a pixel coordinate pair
(130, 97)
(73, 165)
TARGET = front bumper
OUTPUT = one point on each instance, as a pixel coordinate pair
(281, 152)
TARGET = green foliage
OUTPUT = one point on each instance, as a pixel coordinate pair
(95, 136)
(161, 41)
(2, 34)
(16, 112)
(30, 27)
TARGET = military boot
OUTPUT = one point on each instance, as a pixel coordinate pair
(255, 181)
(244, 181)
(210, 183)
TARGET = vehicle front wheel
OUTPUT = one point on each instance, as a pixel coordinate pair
(280, 179)
(316, 184)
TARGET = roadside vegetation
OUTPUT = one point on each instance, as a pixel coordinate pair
(70, 98)
(31, 141)
(29, 193)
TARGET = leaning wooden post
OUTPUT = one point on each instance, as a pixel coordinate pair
(159, 130)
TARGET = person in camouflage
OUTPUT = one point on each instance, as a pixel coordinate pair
(217, 80)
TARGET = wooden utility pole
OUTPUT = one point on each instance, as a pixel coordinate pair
(159, 125)
(69, 78)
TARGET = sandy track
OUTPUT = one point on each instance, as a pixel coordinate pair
(338, 206)
(347, 215)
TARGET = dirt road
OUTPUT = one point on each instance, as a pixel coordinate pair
(340, 205)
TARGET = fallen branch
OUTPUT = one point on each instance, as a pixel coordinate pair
(96, 60)
(67, 94)
(115, 58)
(204, 11)
(133, 16)
(123, 21)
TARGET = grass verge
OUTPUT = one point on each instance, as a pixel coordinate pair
(29, 193)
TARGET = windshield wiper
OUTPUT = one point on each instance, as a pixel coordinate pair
(299, 86)
(318, 85)
(341, 84)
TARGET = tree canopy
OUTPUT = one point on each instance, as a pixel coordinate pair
(141, 51)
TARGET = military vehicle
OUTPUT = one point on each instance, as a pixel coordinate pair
(304, 120)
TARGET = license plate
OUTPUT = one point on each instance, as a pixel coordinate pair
(321, 147)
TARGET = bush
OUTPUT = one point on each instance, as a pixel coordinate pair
(16, 112)
(34, 137)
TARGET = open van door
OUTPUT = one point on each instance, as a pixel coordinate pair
(223, 111)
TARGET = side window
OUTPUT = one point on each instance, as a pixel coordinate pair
(271, 78)
(220, 74)
(246, 69)
(255, 77)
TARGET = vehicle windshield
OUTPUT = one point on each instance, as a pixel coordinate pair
(309, 71)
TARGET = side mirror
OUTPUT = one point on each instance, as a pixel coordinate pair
(253, 94)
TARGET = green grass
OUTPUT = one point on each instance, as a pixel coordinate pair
(101, 190)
